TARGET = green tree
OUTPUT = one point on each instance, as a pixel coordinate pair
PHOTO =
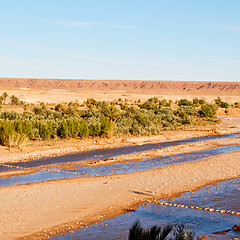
(184, 102)
(207, 110)
(202, 101)
(4, 96)
(63, 130)
(196, 101)
(14, 100)
(44, 130)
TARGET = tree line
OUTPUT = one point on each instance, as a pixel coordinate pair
(101, 119)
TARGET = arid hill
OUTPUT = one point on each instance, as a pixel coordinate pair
(120, 85)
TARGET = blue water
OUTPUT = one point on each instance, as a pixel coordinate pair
(225, 195)
(149, 163)
(125, 167)
(114, 152)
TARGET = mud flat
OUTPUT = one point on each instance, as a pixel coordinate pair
(48, 208)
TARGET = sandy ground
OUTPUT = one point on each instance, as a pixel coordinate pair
(40, 210)
(45, 209)
(60, 96)
(40, 149)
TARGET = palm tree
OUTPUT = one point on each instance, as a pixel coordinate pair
(180, 232)
(154, 233)
(4, 96)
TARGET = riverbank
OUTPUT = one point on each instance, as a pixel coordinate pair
(51, 148)
(37, 211)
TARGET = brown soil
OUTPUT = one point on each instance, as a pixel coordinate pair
(45, 209)
(66, 90)
(118, 85)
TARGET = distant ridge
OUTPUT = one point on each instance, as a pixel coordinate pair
(125, 85)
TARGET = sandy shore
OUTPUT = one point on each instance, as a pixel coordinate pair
(40, 210)
(45, 209)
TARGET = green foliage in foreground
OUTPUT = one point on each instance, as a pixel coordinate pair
(100, 119)
(178, 232)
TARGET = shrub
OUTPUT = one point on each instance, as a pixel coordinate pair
(17, 140)
(196, 101)
(184, 102)
(207, 110)
(202, 101)
(63, 130)
(6, 129)
(95, 130)
(4, 97)
(220, 103)
(83, 129)
(44, 130)
(237, 104)
(59, 108)
(27, 128)
(106, 127)
(14, 100)
(38, 110)
(147, 105)
(189, 110)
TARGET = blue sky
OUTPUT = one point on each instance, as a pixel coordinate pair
(120, 39)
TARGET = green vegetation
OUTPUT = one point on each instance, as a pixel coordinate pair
(99, 119)
(179, 232)
(237, 104)
(221, 103)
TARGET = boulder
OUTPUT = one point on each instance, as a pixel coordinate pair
(203, 238)
(236, 227)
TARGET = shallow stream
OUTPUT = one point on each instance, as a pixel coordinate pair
(114, 168)
(224, 195)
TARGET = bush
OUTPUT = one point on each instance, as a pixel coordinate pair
(14, 100)
(45, 130)
(237, 104)
(184, 102)
(101, 119)
(17, 140)
(9, 137)
(189, 110)
(220, 103)
(207, 111)
(63, 130)
(83, 129)
(202, 101)
(6, 129)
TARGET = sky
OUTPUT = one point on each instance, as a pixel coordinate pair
(121, 39)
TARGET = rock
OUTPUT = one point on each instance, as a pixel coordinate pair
(203, 238)
(222, 232)
(236, 227)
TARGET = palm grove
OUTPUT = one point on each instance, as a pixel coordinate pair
(100, 118)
